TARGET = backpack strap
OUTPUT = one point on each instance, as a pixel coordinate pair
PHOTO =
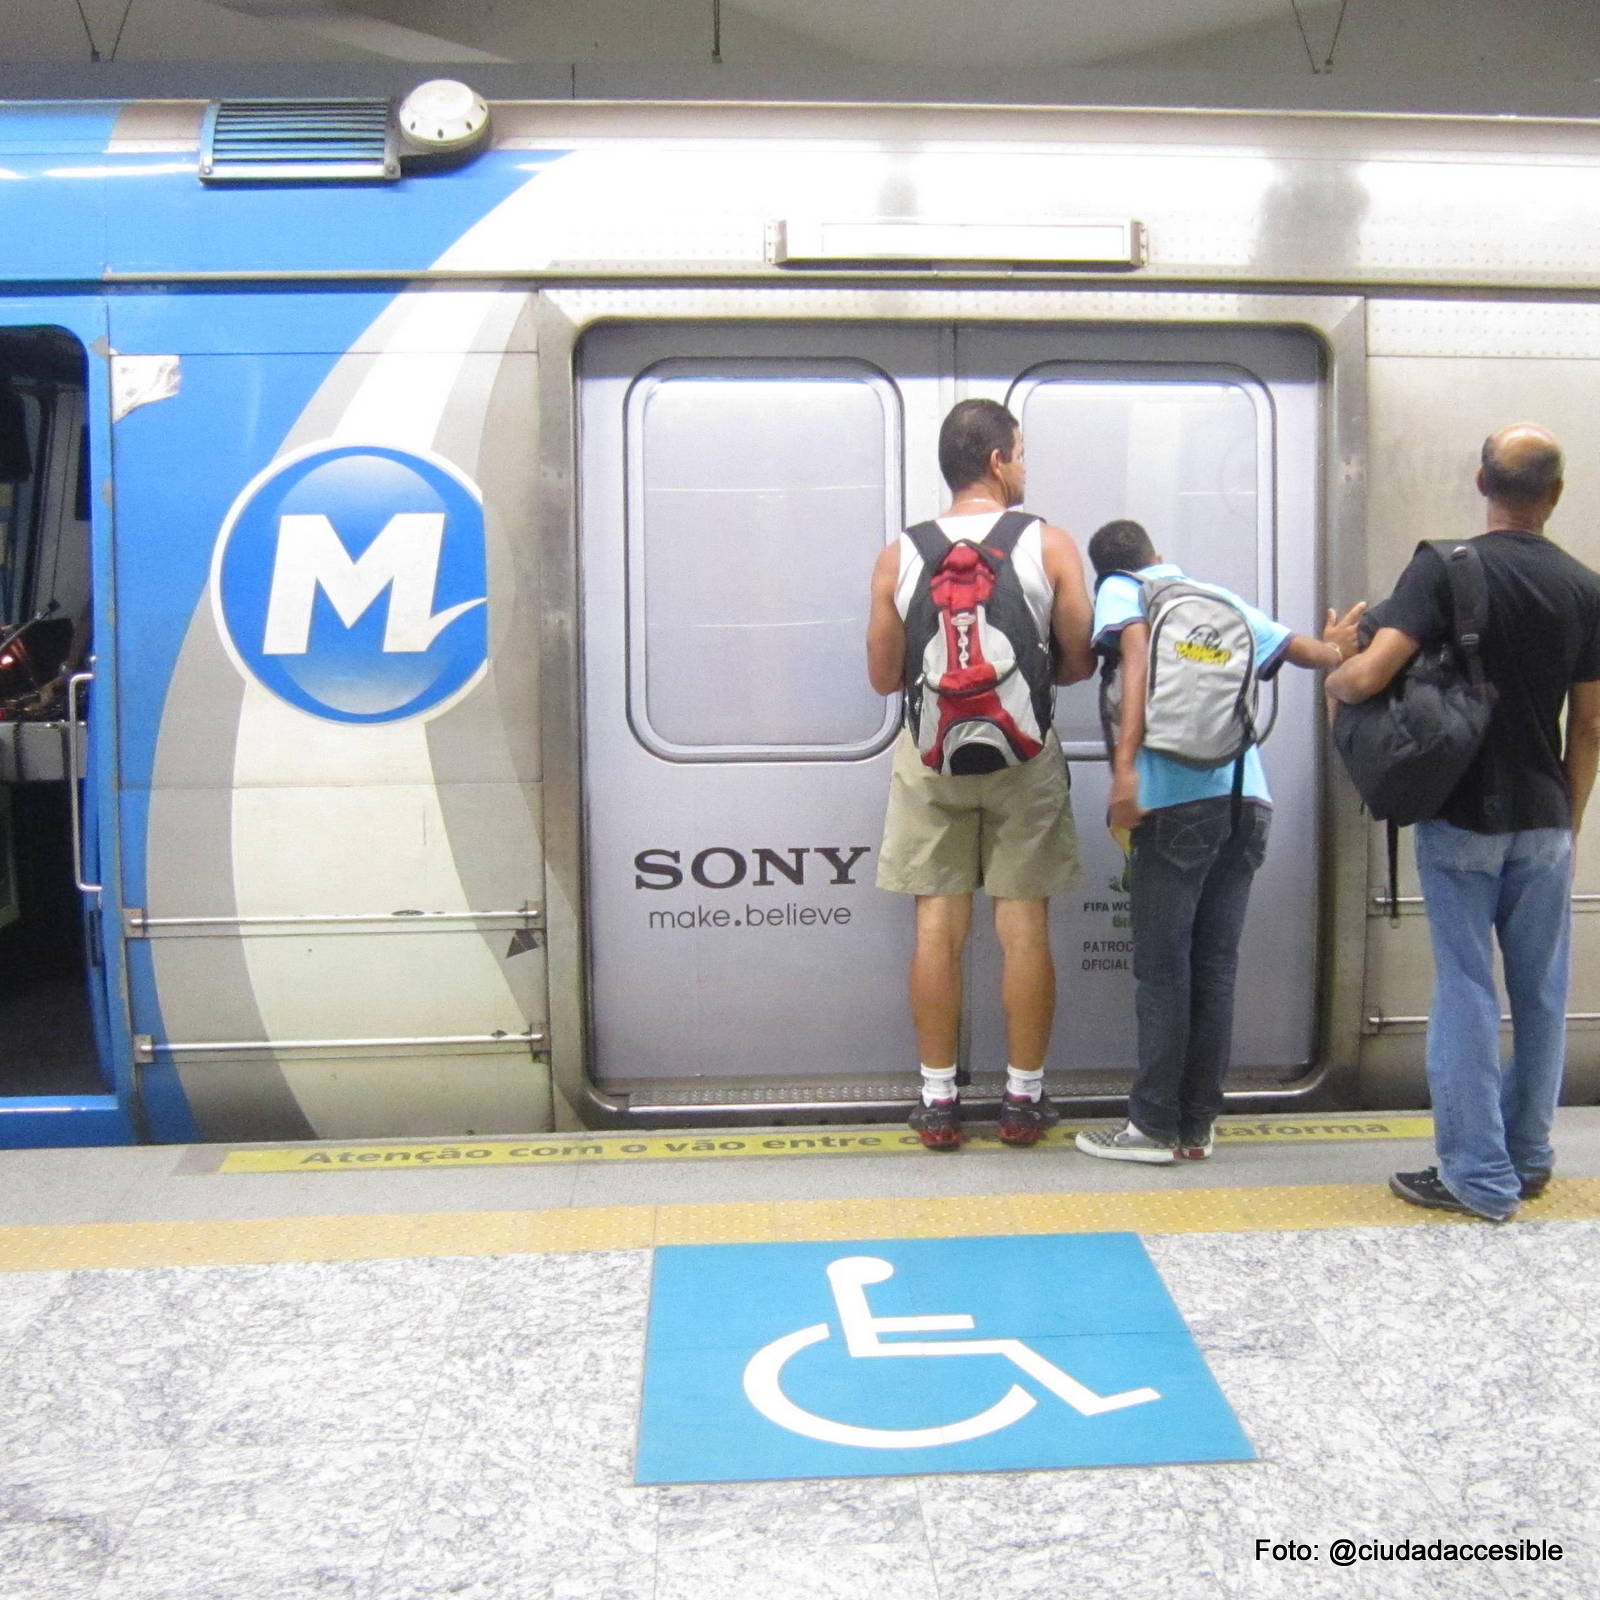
(1469, 608)
(931, 542)
(1469, 601)
(1010, 527)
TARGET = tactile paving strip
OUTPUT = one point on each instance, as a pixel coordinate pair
(40, 1247)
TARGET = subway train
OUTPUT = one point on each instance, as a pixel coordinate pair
(434, 543)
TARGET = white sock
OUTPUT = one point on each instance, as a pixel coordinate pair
(1024, 1085)
(938, 1083)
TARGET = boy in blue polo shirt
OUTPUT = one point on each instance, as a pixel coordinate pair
(1197, 836)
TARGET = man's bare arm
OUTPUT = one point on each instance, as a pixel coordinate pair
(1583, 746)
(1071, 615)
(886, 633)
(1374, 669)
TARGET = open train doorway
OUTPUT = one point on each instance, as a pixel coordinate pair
(48, 950)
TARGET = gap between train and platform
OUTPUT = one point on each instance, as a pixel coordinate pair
(567, 1149)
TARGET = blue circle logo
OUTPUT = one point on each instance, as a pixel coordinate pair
(352, 582)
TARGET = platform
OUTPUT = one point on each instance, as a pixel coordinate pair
(396, 1380)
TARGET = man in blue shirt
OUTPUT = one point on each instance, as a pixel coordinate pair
(1195, 846)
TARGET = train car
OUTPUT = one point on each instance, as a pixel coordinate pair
(433, 559)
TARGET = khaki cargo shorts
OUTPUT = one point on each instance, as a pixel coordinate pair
(1009, 832)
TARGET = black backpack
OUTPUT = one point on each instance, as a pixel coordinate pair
(1408, 747)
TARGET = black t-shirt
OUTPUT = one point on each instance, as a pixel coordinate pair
(1542, 636)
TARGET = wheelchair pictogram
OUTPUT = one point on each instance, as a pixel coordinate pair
(863, 1338)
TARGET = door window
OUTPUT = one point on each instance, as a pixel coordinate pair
(759, 492)
(1188, 457)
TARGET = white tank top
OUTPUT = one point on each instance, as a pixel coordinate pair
(1027, 558)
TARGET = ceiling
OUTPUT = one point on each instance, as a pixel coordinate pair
(1010, 32)
(1476, 56)
(947, 33)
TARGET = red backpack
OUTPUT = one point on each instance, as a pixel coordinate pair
(980, 682)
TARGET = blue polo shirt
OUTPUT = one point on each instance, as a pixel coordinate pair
(1162, 781)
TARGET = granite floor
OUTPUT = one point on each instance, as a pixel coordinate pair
(401, 1429)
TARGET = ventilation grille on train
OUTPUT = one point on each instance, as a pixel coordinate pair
(298, 141)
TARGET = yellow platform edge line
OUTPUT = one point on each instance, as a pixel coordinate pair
(873, 1139)
(36, 1247)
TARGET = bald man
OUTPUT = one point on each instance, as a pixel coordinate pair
(1497, 861)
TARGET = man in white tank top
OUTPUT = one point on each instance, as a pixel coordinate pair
(1008, 831)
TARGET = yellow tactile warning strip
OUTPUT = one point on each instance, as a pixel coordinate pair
(568, 1149)
(39, 1247)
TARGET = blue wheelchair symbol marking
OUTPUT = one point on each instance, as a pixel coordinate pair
(793, 1361)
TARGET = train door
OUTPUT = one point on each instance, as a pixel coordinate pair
(62, 1006)
(1209, 437)
(736, 486)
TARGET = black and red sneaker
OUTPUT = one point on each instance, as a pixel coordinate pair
(1023, 1121)
(939, 1124)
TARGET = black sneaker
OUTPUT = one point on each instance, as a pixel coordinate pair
(1535, 1184)
(939, 1125)
(1023, 1121)
(1427, 1188)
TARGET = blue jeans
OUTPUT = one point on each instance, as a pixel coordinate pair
(1190, 890)
(1491, 1125)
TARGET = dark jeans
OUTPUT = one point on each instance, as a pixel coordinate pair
(1191, 887)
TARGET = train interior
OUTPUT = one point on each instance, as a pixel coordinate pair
(46, 1015)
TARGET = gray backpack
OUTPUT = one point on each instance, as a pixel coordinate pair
(1200, 686)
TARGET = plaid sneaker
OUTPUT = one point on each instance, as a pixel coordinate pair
(1125, 1144)
(1427, 1188)
(1197, 1149)
(939, 1124)
(1023, 1121)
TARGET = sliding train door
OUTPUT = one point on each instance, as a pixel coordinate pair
(1209, 437)
(736, 484)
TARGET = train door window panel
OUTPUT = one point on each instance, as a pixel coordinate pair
(759, 492)
(1186, 454)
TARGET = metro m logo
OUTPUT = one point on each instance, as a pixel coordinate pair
(404, 559)
(351, 581)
